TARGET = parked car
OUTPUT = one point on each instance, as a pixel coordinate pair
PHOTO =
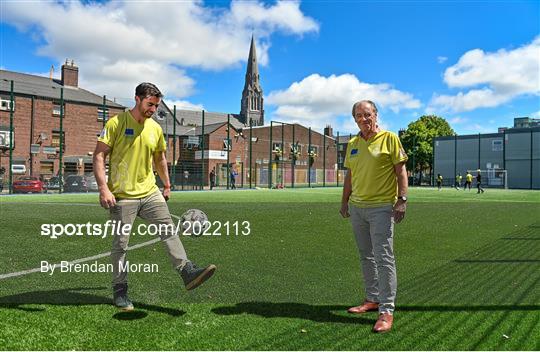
(92, 184)
(53, 183)
(28, 184)
(76, 183)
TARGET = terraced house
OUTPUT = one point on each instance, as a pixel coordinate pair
(37, 108)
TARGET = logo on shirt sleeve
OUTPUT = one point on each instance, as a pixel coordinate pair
(402, 153)
(129, 132)
(354, 152)
(103, 133)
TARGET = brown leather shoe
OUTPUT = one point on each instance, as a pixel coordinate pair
(367, 306)
(384, 323)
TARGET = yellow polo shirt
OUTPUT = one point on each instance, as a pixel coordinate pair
(132, 145)
(371, 164)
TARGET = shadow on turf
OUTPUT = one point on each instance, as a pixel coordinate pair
(322, 314)
(74, 297)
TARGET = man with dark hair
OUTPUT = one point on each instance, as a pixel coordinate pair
(147, 89)
(133, 141)
(213, 178)
(479, 182)
(375, 196)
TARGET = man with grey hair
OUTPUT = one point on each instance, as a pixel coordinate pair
(374, 197)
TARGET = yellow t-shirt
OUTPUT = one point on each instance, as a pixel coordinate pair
(371, 164)
(130, 161)
(469, 177)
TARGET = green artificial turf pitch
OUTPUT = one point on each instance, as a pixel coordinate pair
(468, 276)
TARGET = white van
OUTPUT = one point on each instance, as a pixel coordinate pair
(18, 169)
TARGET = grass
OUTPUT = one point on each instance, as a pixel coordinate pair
(468, 275)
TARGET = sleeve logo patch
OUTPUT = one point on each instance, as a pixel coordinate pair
(129, 132)
(402, 153)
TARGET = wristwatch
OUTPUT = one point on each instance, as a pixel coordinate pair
(403, 198)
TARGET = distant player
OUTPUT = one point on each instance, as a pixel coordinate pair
(479, 182)
(468, 181)
(458, 181)
(439, 181)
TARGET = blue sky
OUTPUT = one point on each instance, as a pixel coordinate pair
(475, 63)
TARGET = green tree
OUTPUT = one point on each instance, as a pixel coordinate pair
(417, 140)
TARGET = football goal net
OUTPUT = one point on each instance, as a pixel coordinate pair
(495, 178)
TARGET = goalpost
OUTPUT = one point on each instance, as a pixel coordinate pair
(494, 178)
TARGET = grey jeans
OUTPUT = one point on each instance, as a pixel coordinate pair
(154, 210)
(374, 232)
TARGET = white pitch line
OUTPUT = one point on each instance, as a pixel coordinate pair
(81, 260)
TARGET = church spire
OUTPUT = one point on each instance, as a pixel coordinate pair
(252, 72)
(252, 107)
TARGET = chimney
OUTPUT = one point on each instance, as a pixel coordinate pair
(70, 74)
(328, 131)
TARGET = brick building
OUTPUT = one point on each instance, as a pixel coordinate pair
(36, 122)
(274, 151)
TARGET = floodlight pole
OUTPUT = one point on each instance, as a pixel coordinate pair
(11, 135)
(202, 153)
(250, 150)
(337, 159)
(479, 146)
(228, 148)
(531, 161)
(282, 152)
(295, 155)
(270, 158)
(104, 107)
(324, 161)
(173, 163)
(309, 158)
(60, 166)
(455, 156)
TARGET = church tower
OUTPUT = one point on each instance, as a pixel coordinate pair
(252, 105)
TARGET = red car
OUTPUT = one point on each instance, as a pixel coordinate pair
(28, 184)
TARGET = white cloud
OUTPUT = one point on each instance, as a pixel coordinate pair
(458, 120)
(476, 128)
(498, 77)
(317, 100)
(536, 115)
(441, 59)
(138, 39)
(183, 105)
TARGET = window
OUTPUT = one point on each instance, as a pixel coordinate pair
(55, 140)
(57, 109)
(100, 113)
(4, 139)
(160, 115)
(190, 142)
(227, 145)
(497, 145)
(296, 148)
(46, 168)
(5, 104)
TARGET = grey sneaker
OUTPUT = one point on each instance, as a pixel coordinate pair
(120, 297)
(194, 276)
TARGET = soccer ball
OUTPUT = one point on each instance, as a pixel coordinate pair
(194, 222)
